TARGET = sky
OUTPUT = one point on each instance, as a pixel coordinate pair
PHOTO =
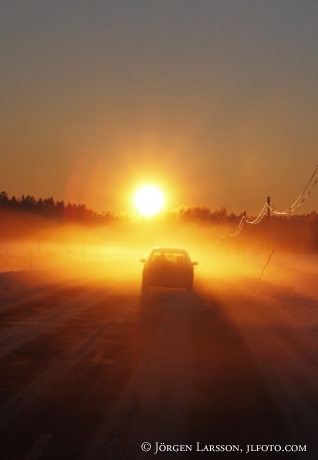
(214, 101)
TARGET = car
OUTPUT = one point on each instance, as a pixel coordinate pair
(168, 267)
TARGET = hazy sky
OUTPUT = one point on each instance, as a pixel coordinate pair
(216, 101)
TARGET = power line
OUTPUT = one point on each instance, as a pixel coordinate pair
(301, 198)
(297, 203)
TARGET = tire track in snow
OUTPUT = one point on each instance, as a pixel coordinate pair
(62, 363)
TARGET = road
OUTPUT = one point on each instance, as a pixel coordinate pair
(92, 370)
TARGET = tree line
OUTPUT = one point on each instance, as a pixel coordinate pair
(80, 213)
(54, 209)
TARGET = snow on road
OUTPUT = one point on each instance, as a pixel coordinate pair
(277, 319)
(280, 327)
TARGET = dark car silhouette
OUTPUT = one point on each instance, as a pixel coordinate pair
(168, 267)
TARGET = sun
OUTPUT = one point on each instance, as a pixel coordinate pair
(148, 200)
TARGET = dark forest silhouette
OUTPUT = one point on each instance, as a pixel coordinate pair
(299, 232)
(58, 210)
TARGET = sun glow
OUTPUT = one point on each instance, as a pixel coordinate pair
(148, 200)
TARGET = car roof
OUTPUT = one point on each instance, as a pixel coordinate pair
(165, 249)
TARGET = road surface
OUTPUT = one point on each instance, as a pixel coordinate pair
(92, 370)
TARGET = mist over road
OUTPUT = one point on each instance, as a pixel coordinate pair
(92, 370)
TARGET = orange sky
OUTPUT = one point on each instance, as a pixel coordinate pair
(215, 102)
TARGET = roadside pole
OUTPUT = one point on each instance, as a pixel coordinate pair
(40, 253)
(244, 241)
(269, 235)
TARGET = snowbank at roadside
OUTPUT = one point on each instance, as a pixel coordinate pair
(290, 299)
(16, 284)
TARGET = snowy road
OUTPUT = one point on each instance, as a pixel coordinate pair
(93, 371)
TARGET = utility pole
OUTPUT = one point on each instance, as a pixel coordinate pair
(244, 240)
(268, 231)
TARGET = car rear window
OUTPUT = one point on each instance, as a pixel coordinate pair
(167, 256)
